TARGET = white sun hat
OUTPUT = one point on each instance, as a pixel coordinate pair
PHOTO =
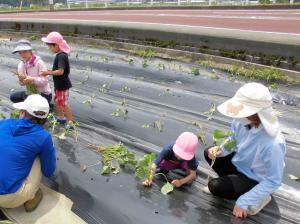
(250, 99)
(35, 105)
(22, 45)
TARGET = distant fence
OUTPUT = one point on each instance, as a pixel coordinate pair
(108, 3)
(77, 4)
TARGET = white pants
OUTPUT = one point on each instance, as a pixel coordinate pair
(28, 189)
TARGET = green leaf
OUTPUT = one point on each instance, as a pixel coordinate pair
(31, 89)
(167, 188)
(229, 145)
(218, 134)
(6, 222)
(143, 168)
(105, 170)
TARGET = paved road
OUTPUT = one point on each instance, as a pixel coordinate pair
(268, 21)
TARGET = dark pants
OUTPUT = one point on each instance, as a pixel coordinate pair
(21, 96)
(230, 184)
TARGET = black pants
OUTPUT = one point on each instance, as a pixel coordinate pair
(230, 184)
(21, 96)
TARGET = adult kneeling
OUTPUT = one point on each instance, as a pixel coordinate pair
(27, 153)
(254, 170)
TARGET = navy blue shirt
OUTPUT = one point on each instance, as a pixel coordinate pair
(168, 154)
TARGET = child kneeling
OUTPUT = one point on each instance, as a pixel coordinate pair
(180, 155)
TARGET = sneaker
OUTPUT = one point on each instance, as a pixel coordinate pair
(206, 190)
(69, 126)
(254, 209)
(32, 204)
(61, 121)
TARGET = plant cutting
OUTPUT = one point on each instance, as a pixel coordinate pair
(114, 157)
(145, 170)
(52, 122)
(159, 124)
(145, 63)
(63, 135)
(223, 140)
(195, 71)
(14, 114)
(210, 112)
(105, 88)
(121, 111)
(30, 88)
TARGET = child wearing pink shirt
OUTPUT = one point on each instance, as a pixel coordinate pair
(29, 74)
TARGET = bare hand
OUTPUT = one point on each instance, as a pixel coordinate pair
(21, 77)
(176, 183)
(45, 73)
(28, 80)
(214, 152)
(147, 183)
(239, 212)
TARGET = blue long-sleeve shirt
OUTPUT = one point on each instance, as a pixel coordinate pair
(21, 141)
(261, 158)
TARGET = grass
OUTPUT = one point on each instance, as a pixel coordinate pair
(144, 53)
(250, 73)
(195, 71)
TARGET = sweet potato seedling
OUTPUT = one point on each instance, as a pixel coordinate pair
(145, 63)
(2, 116)
(210, 112)
(195, 71)
(30, 88)
(159, 124)
(125, 89)
(105, 87)
(121, 111)
(14, 114)
(143, 171)
(114, 157)
(224, 140)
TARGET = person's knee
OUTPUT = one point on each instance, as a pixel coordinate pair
(215, 186)
(12, 98)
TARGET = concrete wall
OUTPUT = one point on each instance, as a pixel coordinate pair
(206, 40)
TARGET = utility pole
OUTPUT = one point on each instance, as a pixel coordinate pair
(21, 4)
(51, 4)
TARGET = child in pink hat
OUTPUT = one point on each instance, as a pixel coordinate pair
(180, 155)
(60, 73)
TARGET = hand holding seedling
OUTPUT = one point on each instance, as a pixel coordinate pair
(176, 183)
(28, 80)
(214, 152)
(148, 181)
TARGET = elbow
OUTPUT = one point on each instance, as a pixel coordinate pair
(49, 172)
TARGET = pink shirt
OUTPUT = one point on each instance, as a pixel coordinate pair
(34, 68)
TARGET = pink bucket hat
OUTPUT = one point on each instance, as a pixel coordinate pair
(186, 145)
(57, 38)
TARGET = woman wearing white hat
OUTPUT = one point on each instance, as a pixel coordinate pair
(254, 170)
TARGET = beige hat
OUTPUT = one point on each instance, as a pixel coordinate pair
(250, 99)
